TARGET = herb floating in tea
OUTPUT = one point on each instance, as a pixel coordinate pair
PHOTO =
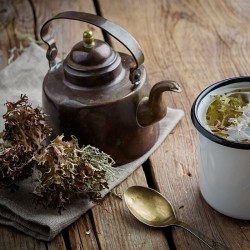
(62, 170)
(228, 116)
(24, 133)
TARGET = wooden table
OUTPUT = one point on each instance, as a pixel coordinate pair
(195, 43)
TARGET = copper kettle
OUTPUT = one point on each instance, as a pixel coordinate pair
(102, 96)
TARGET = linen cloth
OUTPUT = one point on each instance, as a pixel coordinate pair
(25, 76)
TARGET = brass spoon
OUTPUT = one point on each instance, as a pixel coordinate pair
(152, 209)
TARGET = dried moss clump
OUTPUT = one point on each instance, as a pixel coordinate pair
(24, 133)
(66, 171)
(62, 170)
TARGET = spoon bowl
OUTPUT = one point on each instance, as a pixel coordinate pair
(149, 206)
(153, 209)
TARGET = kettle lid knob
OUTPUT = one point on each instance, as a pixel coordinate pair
(88, 39)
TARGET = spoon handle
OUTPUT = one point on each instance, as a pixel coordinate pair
(209, 242)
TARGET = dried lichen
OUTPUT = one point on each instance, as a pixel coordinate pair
(62, 170)
(66, 171)
(24, 133)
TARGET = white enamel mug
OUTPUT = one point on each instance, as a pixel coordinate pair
(224, 171)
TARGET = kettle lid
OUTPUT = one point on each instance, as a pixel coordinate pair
(135, 74)
(92, 62)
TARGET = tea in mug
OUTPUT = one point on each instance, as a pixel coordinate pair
(228, 115)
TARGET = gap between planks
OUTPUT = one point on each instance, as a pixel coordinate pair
(147, 169)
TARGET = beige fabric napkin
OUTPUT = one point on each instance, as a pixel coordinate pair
(25, 76)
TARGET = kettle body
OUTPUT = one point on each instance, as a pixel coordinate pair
(102, 97)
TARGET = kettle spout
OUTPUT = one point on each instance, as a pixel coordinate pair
(152, 109)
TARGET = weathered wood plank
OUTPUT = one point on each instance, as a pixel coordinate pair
(82, 235)
(58, 243)
(117, 229)
(14, 27)
(114, 227)
(195, 43)
(13, 239)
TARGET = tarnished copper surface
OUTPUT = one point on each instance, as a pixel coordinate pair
(98, 95)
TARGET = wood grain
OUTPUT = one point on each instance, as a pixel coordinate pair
(82, 235)
(111, 226)
(196, 43)
(117, 229)
(13, 239)
(13, 23)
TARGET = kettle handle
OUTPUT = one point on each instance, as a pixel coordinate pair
(113, 29)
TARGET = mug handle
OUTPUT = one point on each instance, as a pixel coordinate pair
(113, 29)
